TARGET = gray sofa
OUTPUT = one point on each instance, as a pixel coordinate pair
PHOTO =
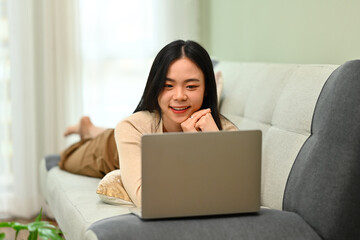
(309, 116)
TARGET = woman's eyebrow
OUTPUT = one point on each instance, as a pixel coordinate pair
(192, 80)
(187, 80)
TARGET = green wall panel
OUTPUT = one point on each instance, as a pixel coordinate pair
(299, 31)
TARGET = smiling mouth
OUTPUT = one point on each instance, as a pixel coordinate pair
(179, 108)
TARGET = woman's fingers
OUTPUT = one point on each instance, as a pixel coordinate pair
(206, 123)
(189, 124)
(197, 115)
(201, 120)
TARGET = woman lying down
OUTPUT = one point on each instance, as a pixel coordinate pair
(180, 96)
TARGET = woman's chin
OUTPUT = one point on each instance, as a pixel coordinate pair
(179, 120)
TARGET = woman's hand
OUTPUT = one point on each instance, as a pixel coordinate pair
(201, 120)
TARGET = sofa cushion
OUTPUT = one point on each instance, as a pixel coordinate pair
(219, 85)
(324, 184)
(73, 201)
(267, 224)
(278, 99)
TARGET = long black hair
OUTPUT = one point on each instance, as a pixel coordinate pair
(157, 76)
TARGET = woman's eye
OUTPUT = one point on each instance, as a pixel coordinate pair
(192, 86)
(168, 86)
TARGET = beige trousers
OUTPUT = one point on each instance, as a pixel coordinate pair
(92, 157)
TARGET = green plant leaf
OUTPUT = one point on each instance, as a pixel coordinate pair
(54, 234)
(33, 235)
(38, 218)
(14, 225)
(6, 224)
(37, 225)
(17, 233)
(43, 229)
(18, 226)
(2, 236)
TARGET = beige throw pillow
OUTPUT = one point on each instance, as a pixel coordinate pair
(111, 189)
(219, 84)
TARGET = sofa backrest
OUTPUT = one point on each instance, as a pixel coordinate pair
(279, 99)
(324, 183)
(310, 119)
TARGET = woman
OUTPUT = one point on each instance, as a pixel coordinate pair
(180, 96)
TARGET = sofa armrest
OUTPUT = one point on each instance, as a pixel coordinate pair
(52, 161)
(267, 224)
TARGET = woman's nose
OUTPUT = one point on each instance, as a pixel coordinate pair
(180, 94)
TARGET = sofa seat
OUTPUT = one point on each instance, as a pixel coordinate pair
(72, 198)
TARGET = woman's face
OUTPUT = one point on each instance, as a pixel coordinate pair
(182, 94)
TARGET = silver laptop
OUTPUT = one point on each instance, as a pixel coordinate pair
(197, 174)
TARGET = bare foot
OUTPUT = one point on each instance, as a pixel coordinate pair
(85, 128)
(73, 129)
